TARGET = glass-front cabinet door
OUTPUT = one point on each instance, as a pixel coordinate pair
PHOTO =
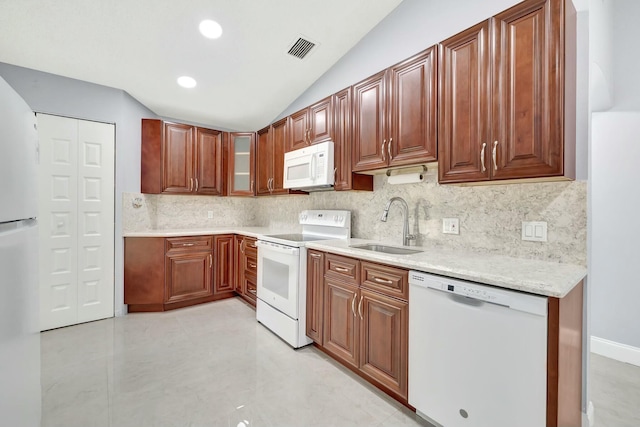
(242, 164)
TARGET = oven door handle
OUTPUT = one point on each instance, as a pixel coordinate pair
(277, 248)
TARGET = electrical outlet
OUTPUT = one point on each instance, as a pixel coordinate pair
(450, 226)
(534, 231)
(210, 214)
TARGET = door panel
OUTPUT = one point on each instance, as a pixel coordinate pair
(76, 212)
(209, 162)
(177, 175)
(298, 130)
(223, 265)
(320, 121)
(315, 288)
(369, 141)
(527, 107)
(342, 139)
(384, 343)
(413, 109)
(279, 141)
(264, 154)
(341, 333)
(188, 276)
(464, 106)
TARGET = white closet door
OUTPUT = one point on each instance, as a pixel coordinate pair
(76, 219)
(95, 220)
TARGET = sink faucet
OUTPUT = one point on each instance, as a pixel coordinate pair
(406, 237)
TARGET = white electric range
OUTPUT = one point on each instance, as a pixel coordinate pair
(282, 272)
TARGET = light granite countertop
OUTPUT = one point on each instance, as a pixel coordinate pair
(527, 275)
(246, 231)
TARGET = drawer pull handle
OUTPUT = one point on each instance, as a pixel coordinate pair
(379, 280)
(252, 291)
(342, 269)
(315, 255)
(188, 244)
(353, 305)
(360, 307)
(251, 245)
(252, 265)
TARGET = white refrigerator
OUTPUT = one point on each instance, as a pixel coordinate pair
(20, 393)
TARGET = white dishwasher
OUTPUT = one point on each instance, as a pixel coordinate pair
(477, 354)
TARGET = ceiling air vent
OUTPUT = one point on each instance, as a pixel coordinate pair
(301, 48)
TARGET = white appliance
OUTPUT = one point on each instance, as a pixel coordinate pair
(310, 168)
(477, 354)
(19, 309)
(282, 273)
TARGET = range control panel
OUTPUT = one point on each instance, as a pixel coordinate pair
(330, 218)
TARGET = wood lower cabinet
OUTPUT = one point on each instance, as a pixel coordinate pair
(364, 328)
(341, 332)
(166, 273)
(507, 96)
(315, 295)
(223, 264)
(246, 268)
(384, 326)
(182, 159)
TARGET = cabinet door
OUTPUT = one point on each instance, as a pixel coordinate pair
(223, 263)
(177, 150)
(412, 96)
(241, 164)
(209, 156)
(369, 140)
(298, 130)
(384, 327)
(340, 328)
(464, 144)
(264, 161)
(528, 84)
(188, 276)
(320, 121)
(238, 263)
(342, 136)
(315, 295)
(279, 141)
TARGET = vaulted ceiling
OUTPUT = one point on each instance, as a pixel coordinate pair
(244, 79)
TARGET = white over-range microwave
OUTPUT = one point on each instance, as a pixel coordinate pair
(310, 168)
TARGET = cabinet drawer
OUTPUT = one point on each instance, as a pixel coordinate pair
(251, 290)
(250, 265)
(249, 247)
(194, 243)
(383, 278)
(343, 268)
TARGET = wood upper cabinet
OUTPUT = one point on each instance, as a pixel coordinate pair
(395, 115)
(270, 159)
(315, 295)
(223, 249)
(311, 125)
(369, 124)
(507, 96)
(345, 179)
(181, 159)
(242, 163)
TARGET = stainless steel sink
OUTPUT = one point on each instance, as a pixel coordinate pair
(386, 249)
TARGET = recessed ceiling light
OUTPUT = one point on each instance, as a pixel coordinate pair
(186, 81)
(210, 29)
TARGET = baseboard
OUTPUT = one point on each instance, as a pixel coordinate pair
(614, 350)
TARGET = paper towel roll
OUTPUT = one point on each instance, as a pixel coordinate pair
(406, 178)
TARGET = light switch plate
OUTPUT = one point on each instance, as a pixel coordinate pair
(450, 225)
(534, 231)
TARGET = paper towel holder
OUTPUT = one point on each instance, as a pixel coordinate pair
(412, 169)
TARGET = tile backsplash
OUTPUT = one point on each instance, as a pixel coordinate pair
(490, 216)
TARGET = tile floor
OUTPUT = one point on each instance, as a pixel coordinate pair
(214, 365)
